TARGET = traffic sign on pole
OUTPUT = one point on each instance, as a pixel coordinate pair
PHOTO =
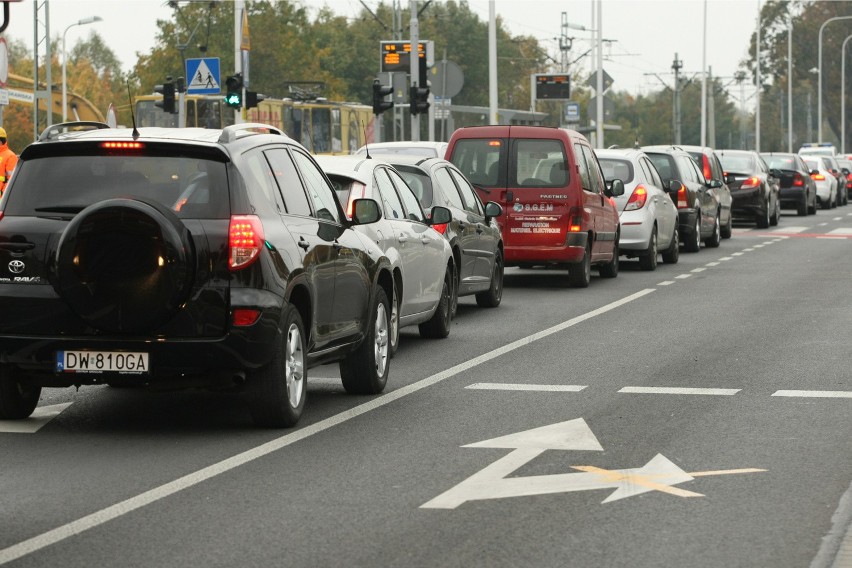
(203, 76)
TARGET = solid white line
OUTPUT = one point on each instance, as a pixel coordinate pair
(128, 505)
(683, 276)
(520, 387)
(679, 390)
(813, 394)
(697, 270)
(666, 283)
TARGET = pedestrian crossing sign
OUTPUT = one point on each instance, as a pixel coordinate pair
(203, 76)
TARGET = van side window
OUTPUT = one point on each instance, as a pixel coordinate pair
(538, 163)
(585, 179)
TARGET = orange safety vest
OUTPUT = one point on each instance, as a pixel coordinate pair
(8, 161)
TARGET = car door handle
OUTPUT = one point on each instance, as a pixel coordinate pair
(303, 243)
(425, 240)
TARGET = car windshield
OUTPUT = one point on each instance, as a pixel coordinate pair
(614, 168)
(780, 162)
(191, 187)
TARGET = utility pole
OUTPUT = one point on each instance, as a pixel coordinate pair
(711, 110)
(414, 39)
(677, 65)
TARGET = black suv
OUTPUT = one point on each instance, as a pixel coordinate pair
(699, 205)
(185, 257)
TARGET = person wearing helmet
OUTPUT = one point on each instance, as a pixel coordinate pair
(8, 161)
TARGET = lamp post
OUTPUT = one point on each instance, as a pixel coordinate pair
(819, 77)
(790, 86)
(843, 96)
(84, 21)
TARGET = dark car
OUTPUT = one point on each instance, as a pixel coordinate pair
(832, 165)
(797, 189)
(846, 168)
(698, 204)
(709, 164)
(185, 257)
(753, 186)
(473, 232)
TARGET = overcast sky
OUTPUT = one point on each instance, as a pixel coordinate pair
(647, 33)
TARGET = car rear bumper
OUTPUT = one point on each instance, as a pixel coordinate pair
(635, 231)
(571, 252)
(747, 203)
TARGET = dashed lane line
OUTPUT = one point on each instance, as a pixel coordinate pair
(524, 387)
(682, 276)
(712, 264)
(680, 390)
(699, 269)
(666, 283)
(813, 394)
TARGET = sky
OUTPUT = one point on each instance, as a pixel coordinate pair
(647, 33)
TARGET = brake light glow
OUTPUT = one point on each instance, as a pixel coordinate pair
(441, 228)
(637, 198)
(122, 145)
(798, 181)
(817, 177)
(494, 143)
(708, 175)
(350, 207)
(1, 215)
(750, 183)
(244, 316)
(681, 196)
(575, 226)
(245, 238)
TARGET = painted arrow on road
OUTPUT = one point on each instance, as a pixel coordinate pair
(493, 482)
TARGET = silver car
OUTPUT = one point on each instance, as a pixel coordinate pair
(826, 183)
(423, 266)
(647, 215)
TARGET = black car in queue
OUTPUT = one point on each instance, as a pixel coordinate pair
(473, 232)
(754, 187)
(183, 258)
(797, 189)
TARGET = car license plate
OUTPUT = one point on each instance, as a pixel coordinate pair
(102, 362)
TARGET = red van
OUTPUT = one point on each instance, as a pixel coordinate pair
(556, 206)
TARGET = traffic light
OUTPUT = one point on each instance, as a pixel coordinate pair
(252, 98)
(167, 89)
(418, 99)
(234, 90)
(380, 91)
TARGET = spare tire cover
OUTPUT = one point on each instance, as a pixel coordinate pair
(125, 265)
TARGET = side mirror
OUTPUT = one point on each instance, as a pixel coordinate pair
(674, 186)
(714, 184)
(492, 210)
(814, 172)
(776, 172)
(440, 216)
(729, 179)
(616, 188)
(365, 211)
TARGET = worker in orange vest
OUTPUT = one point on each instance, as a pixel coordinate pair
(8, 161)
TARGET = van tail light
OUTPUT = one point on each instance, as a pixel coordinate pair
(637, 198)
(817, 177)
(576, 224)
(798, 180)
(681, 197)
(245, 238)
(708, 175)
(751, 183)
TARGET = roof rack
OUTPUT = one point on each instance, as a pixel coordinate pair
(231, 133)
(53, 131)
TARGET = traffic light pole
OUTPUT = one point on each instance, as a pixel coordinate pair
(415, 63)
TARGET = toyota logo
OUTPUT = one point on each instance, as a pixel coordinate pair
(16, 266)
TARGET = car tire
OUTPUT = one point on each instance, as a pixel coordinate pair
(776, 214)
(672, 255)
(438, 325)
(580, 273)
(648, 260)
(494, 295)
(728, 228)
(17, 400)
(812, 209)
(802, 209)
(762, 220)
(610, 269)
(693, 243)
(714, 240)
(393, 335)
(278, 390)
(365, 370)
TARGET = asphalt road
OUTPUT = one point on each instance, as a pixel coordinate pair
(698, 415)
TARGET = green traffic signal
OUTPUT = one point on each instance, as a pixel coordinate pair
(234, 92)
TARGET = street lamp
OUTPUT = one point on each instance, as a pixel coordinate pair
(843, 96)
(84, 21)
(819, 78)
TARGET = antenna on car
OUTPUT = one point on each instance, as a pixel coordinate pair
(132, 114)
(366, 147)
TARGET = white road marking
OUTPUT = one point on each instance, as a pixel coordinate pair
(724, 258)
(833, 238)
(679, 390)
(795, 229)
(769, 242)
(522, 387)
(737, 253)
(747, 249)
(822, 224)
(813, 394)
(841, 231)
(107, 514)
(697, 270)
(41, 416)
(681, 276)
(666, 283)
(837, 219)
(712, 264)
(758, 246)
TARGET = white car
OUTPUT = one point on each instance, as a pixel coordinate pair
(826, 183)
(405, 147)
(647, 215)
(421, 258)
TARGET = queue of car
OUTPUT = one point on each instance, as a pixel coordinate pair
(234, 259)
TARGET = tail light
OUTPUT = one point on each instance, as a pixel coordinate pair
(245, 316)
(817, 177)
(750, 183)
(441, 228)
(798, 180)
(849, 177)
(357, 192)
(681, 197)
(575, 225)
(245, 238)
(708, 175)
(637, 198)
